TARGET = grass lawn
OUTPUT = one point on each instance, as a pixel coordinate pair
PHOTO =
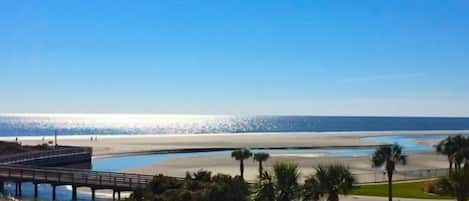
(403, 190)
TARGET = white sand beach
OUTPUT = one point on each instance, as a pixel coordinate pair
(360, 166)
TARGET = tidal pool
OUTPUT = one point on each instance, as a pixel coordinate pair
(408, 142)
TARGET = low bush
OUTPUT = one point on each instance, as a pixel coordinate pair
(430, 186)
(199, 186)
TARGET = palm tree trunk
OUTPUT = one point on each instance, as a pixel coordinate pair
(450, 166)
(281, 196)
(260, 168)
(241, 168)
(462, 197)
(389, 186)
(333, 197)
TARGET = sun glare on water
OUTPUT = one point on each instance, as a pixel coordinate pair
(124, 123)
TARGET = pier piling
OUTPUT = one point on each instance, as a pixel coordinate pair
(16, 188)
(53, 193)
(93, 194)
(35, 190)
(74, 193)
(20, 191)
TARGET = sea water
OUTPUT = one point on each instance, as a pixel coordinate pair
(96, 124)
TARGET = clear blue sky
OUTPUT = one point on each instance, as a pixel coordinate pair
(322, 57)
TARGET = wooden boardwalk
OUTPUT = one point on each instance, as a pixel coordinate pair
(12, 170)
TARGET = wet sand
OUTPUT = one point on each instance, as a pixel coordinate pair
(133, 144)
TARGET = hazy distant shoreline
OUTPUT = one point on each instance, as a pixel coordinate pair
(110, 136)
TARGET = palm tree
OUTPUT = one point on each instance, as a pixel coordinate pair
(332, 180)
(241, 155)
(456, 149)
(461, 154)
(281, 186)
(264, 188)
(226, 188)
(202, 175)
(286, 181)
(389, 156)
(261, 157)
(311, 189)
(448, 148)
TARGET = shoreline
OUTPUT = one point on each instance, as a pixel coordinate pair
(163, 135)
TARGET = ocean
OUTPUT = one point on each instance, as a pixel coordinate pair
(97, 124)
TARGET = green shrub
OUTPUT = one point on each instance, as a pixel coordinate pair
(199, 186)
(443, 187)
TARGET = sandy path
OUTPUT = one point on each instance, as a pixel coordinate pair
(370, 198)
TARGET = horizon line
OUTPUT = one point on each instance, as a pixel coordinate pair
(219, 115)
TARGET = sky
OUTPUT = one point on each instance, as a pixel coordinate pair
(315, 57)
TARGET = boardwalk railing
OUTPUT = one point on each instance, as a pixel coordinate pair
(76, 177)
(380, 176)
(37, 155)
(15, 168)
